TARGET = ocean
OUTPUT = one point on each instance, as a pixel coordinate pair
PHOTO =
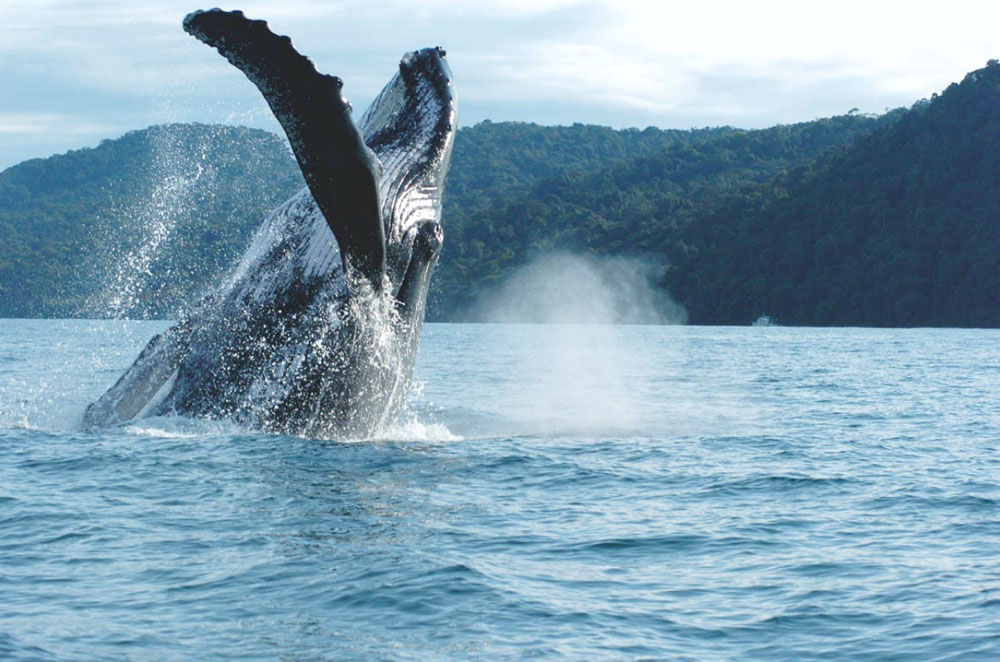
(556, 492)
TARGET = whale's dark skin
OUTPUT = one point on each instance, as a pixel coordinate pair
(316, 330)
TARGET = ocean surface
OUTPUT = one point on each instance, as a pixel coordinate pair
(553, 492)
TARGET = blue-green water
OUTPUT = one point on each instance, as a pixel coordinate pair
(555, 492)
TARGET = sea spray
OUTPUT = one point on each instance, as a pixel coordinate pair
(565, 288)
(138, 265)
(163, 242)
(139, 261)
(180, 203)
(577, 375)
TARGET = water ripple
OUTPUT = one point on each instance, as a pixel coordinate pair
(808, 494)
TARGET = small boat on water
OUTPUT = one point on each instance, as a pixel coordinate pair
(764, 320)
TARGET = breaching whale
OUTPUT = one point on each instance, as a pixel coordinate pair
(315, 331)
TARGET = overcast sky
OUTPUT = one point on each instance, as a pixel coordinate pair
(75, 72)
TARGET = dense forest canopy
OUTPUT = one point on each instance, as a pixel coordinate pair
(901, 230)
(636, 205)
(852, 220)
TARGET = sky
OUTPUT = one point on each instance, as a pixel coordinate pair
(75, 72)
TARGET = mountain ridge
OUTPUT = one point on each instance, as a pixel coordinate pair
(887, 220)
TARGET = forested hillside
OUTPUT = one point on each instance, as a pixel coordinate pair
(903, 230)
(634, 206)
(891, 220)
(141, 225)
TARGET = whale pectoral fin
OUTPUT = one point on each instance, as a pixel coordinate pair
(340, 169)
(412, 294)
(141, 383)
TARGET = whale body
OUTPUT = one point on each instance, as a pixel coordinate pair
(315, 331)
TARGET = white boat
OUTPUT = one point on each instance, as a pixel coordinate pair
(764, 320)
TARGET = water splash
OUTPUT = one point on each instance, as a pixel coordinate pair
(178, 427)
(413, 430)
(139, 263)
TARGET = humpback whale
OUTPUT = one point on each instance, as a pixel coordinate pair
(315, 331)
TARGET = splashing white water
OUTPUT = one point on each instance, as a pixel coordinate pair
(143, 229)
(178, 427)
(414, 430)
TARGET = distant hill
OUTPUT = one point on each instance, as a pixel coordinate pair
(634, 204)
(141, 225)
(902, 230)
(891, 220)
(506, 159)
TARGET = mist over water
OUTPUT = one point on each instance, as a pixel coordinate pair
(578, 374)
(566, 288)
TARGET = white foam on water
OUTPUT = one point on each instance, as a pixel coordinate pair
(19, 422)
(179, 427)
(416, 431)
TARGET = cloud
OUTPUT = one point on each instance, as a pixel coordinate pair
(620, 62)
(40, 123)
